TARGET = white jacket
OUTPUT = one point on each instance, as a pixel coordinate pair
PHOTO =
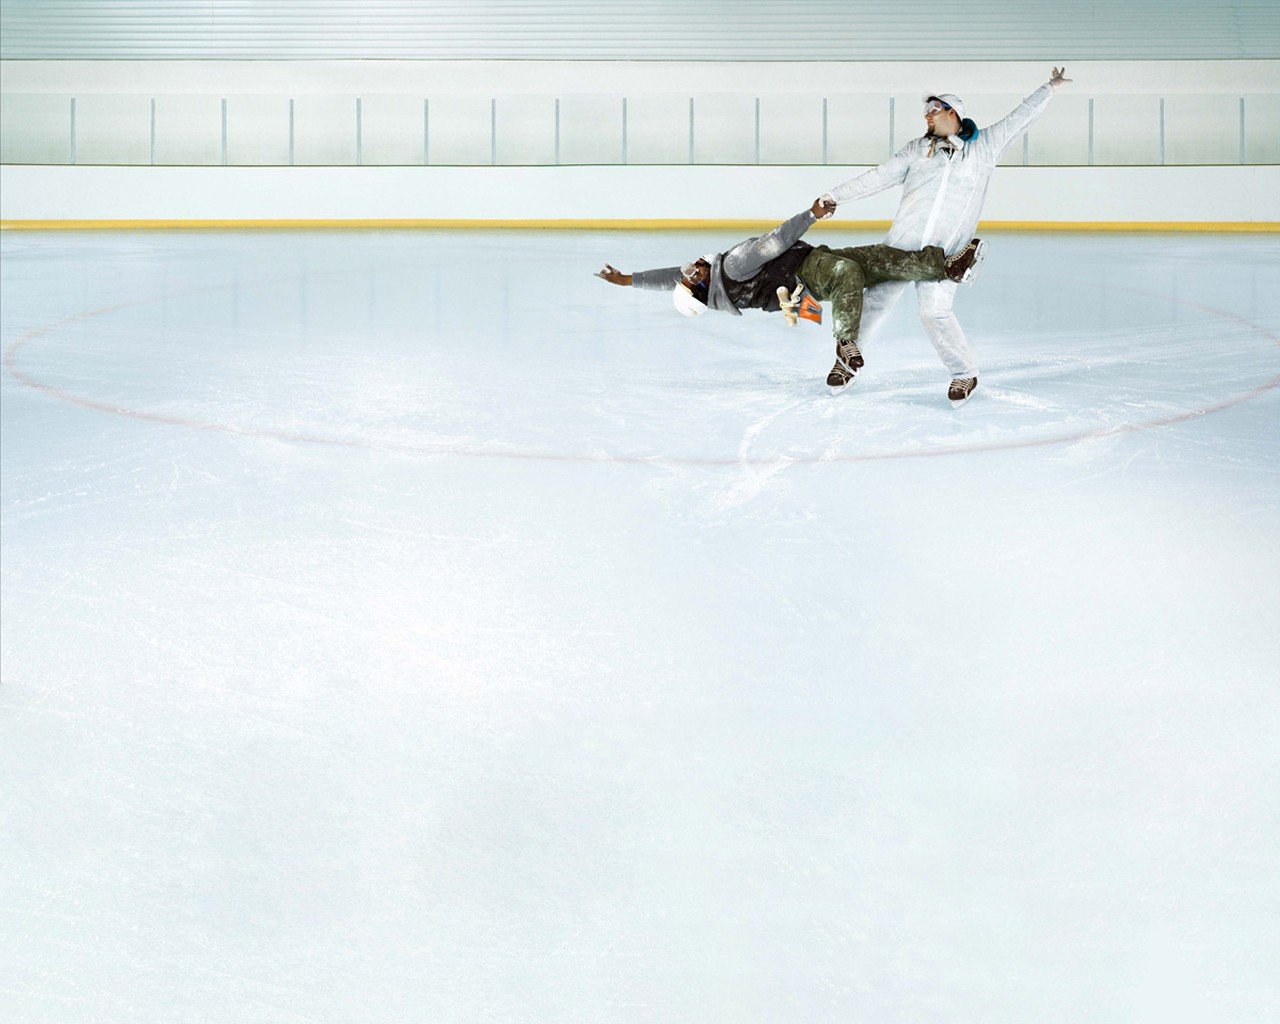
(942, 194)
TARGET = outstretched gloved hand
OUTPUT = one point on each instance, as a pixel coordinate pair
(1057, 80)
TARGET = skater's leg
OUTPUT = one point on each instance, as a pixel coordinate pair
(882, 263)
(940, 323)
(833, 278)
(877, 302)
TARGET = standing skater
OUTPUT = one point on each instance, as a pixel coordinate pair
(944, 176)
(775, 271)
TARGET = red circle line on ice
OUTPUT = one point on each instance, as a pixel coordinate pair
(468, 451)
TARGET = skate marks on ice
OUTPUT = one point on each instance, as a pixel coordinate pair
(398, 375)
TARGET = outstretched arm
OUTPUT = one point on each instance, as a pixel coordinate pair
(890, 173)
(664, 278)
(1004, 131)
(745, 259)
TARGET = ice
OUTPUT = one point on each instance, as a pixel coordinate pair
(411, 626)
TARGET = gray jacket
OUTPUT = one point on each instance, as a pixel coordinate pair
(741, 263)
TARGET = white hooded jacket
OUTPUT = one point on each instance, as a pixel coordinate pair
(943, 193)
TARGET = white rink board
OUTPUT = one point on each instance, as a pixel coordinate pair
(1213, 194)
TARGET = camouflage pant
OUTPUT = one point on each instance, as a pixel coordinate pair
(839, 276)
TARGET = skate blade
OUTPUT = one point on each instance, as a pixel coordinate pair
(975, 271)
(853, 377)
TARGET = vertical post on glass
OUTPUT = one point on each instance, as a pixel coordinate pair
(891, 126)
(1026, 147)
(73, 129)
(1090, 131)
(153, 131)
(557, 131)
(224, 131)
(291, 134)
(824, 129)
(359, 134)
(690, 129)
(624, 130)
(1161, 131)
(493, 131)
(1242, 129)
(757, 129)
(426, 131)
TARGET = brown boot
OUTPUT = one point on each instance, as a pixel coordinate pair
(848, 362)
(960, 390)
(964, 266)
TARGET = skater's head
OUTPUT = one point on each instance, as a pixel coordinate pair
(690, 295)
(695, 272)
(943, 115)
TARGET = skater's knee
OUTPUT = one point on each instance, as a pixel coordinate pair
(848, 274)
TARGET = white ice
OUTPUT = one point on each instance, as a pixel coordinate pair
(412, 627)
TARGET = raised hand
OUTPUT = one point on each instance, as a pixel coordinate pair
(1057, 79)
(613, 275)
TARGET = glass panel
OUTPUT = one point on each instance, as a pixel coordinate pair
(1262, 129)
(724, 129)
(591, 130)
(37, 128)
(908, 118)
(658, 129)
(791, 129)
(391, 130)
(1202, 129)
(116, 129)
(526, 130)
(113, 129)
(858, 130)
(258, 131)
(324, 130)
(1126, 130)
(188, 130)
(460, 130)
(1061, 135)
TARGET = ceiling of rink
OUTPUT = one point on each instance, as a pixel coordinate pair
(707, 30)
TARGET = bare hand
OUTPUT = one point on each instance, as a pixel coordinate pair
(613, 275)
(823, 207)
(1058, 79)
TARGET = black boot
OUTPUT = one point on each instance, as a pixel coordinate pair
(848, 362)
(964, 266)
(960, 390)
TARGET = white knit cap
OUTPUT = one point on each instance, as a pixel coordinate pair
(951, 100)
(685, 303)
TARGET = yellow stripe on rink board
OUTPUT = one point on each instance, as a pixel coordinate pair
(1243, 227)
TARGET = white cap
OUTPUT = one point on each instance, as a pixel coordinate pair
(685, 303)
(950, 99)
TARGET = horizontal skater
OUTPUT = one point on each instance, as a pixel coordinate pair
(778, 272)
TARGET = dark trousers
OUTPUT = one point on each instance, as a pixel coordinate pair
(839, 276)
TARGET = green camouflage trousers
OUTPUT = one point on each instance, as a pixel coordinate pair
(839, 276)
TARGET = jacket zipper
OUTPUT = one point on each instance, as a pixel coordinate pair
(937, 205)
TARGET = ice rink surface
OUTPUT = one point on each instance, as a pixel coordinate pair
(412, 627)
